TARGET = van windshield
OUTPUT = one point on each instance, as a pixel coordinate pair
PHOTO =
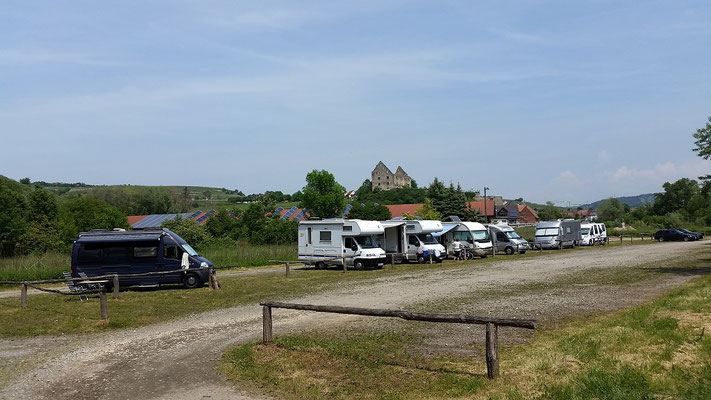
(427, 238)
(547, 232)
(189, 249)
(366, 242)
(584, 231)
(512, 235)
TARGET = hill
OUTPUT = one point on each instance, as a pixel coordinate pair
(632, 201)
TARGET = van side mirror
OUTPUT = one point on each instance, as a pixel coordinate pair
(185, 262)
(354, 247)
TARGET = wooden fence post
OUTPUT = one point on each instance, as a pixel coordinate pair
(23, 296)
(631, 237)
(104, 308)
(392, 260)
(620, 239)
(430, 258)
(266, 324)
(287, 269)
(344, 264)
(492, 351)
(116, 287)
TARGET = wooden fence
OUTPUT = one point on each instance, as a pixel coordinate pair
(492, 324)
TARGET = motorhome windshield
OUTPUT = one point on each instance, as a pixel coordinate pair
(480, 236)
(584, 231)
(427, 238)
(547, 232)
(366, 242)
(512, 235)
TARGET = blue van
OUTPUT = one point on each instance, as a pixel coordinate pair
(103, 252)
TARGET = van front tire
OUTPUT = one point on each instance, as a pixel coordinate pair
(358, 265)
(509, 250)
(192, 281)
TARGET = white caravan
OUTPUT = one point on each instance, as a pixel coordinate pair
(473, 235)
(558, 234)
(506, 239)
(333, 241)
(421, 244)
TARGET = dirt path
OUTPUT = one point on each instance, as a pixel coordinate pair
(178, 360)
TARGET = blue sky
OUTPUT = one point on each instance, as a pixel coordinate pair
(562, 101)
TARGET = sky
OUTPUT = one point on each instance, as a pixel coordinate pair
(559, 101)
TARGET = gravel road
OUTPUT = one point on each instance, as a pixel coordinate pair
(177, 360)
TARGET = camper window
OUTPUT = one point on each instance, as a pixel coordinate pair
(89, 254)
(324, 237)
(145, 252)
(501, 237)
(412, 240)
(117, 254)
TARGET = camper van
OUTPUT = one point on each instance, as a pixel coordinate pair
(473, 235)
(333, 241)
(590, 234)
(506, 239)
(103, 252)
(421, 244)
(558, 234)
(603, 233)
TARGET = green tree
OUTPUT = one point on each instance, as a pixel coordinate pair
(676, 196)
(13, 224)
(436, 192)
(25, 181)
(428, 211)
(453, 201)
(190, 230)
(322, 195)
(220, 225)
(84, 214)
(703, 141)
(370, 211)
(610, 210)
(42, 205)
(549, 212)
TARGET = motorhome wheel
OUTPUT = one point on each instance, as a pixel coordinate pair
(358, 265)
(509, 250)
(191, 281)
(421, 259)
(320, 265)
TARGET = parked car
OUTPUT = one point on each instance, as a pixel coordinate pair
(665, 235)
(698, 235)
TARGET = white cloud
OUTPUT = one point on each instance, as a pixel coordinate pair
(567, 177)
(660, 173)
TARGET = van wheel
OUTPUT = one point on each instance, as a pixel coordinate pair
(358, 265)
(421, 259)
(509, 250)
(191, 281)
(320, 265)
(661, 239)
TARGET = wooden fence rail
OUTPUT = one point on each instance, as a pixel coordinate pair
(492, 323)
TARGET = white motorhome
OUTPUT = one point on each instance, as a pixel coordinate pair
(603, 233)
(558, 234)
(421, 244)
(474, 235)
(333, 241)
(589, 234)
(506, 239)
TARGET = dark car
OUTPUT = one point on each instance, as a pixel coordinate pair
(698, 235)
(666, 235)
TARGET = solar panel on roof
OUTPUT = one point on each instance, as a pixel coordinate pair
(195, 214)
(300, 215)
(289, 213)
(156, 220)
(347, 210)
(278, 211)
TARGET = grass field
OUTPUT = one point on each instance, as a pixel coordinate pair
(658, 350)
(33, 267)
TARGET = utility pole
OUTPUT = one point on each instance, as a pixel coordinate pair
(486, 215)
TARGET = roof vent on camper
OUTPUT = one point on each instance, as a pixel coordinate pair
(418, 218)
(119, 230)
(452, 218)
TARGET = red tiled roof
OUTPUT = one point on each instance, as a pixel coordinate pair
(527, 213)
(398, 210)
(479, 205)
(132, 219)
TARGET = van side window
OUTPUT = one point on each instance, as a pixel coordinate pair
(89, 254)
(145, 252)
(171, 252)
(324, 237)
(349, 242)
(117, 254)
(309, 233)
(413, 241)
(500, 236)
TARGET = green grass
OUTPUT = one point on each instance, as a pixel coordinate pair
(248, 255)
(660, 349)
(34, 267)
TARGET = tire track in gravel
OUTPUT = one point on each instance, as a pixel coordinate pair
(178, 359)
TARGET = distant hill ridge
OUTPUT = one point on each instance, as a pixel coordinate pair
(632, 201)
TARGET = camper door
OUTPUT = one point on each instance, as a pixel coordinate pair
(350, 248)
